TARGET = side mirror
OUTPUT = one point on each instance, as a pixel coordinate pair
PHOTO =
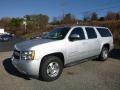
(74, 37)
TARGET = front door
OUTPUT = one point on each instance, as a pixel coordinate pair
(76, 49)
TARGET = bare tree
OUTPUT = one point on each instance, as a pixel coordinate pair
(5, 21)
(118, 16)
(86, 16)
(111, 16)
(68, 19)
(94, 16)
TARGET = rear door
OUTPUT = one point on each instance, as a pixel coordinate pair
(93, 44)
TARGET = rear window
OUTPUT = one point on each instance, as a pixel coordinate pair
(104, 32)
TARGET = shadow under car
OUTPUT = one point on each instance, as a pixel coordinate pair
(115, 54)
(12, 70)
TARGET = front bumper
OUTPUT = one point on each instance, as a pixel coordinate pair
(27, 67)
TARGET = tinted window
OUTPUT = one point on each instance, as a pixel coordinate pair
(91, 33)
(104, 32)
(80, 32)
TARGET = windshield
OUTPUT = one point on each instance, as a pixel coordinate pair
(57, 34)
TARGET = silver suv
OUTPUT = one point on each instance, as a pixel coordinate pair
(45, 57)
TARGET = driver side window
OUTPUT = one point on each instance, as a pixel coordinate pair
(80, 32)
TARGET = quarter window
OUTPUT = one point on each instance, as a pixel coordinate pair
(91, 33)
(104, 32)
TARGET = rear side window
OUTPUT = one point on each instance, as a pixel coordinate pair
(104, 32)
(91, 33)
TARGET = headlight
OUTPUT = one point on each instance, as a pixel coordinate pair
(27, 55)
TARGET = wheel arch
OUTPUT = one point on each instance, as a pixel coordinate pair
(57, 54)
(105, 45)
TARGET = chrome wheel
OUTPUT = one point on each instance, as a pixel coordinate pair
(105, 54)
(53, 69)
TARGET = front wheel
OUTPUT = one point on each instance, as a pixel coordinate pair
(51, 68)
(104, 54)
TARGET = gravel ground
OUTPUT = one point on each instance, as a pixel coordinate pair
(91, 75)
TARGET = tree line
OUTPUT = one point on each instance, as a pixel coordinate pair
(88, 16)
(16, 25)
(40, 21)
(109, 16)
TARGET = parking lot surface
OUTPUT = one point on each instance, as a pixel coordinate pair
(90, 75)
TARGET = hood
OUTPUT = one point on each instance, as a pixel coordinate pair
(31, 43)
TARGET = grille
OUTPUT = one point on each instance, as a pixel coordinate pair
(16, 54)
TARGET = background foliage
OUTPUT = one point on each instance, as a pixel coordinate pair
(38, 23)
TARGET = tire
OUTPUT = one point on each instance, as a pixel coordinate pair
(104, 54)
(51, 68)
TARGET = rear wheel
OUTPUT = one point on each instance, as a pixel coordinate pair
(104, 54)
(51, 68)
